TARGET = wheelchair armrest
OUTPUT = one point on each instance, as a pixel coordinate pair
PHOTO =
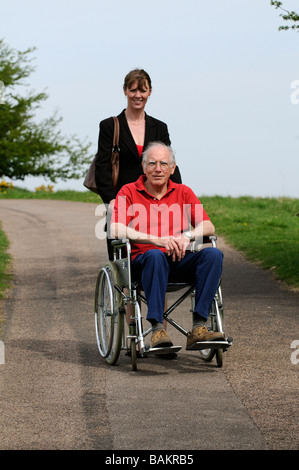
(121, 248)
(209, 238)
(120, 241)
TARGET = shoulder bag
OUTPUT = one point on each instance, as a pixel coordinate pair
(89, 181)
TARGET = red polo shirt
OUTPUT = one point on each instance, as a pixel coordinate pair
(171, 215)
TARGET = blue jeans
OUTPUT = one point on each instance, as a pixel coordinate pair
(154, 269)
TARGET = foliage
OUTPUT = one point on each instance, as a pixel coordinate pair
(46, 189)
(4, 186)
(28, 147)
(287, 16)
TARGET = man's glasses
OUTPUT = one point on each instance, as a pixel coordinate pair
(152, 164)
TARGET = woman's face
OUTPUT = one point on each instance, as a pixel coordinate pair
(137, 96)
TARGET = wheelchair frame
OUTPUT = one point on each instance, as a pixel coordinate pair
(110, 309)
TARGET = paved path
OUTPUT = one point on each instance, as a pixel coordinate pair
(57, 393)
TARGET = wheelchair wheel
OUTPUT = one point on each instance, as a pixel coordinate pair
(216, 309)
(133, 354)
(207, 354)
(133, 342)
(109, 322)
(219, 357)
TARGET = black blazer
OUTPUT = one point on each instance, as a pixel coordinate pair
(130, 167)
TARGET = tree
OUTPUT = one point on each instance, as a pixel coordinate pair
(28, 147)
(288, 16)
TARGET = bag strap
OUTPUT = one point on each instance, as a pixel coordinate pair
(116, 133)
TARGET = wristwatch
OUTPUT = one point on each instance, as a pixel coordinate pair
(189, 235)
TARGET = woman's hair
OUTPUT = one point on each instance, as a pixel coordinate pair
(158, 144)
(139, 75)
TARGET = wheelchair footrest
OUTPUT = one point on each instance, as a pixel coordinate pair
(165, 350)
(210, 345)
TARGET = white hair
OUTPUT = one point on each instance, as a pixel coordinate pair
(158, 144)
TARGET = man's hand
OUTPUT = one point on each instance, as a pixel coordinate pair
(175, 247)
(183, 243)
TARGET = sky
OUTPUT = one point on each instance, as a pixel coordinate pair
(225, 81)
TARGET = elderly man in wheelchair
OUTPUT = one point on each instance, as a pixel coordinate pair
(162, 220)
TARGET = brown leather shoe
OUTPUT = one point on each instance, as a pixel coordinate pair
(201, 333)
(161, 339)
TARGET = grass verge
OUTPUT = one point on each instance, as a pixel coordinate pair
(68, 195)
(266, 230)
(5, 276)
(5, 259)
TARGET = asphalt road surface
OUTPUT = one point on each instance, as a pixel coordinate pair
(56, 392)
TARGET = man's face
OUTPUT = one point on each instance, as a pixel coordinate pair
(157, 168)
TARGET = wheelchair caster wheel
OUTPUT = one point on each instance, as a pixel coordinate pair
(219, 357)
(133, 354)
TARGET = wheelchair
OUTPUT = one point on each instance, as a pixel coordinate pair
(115, 290)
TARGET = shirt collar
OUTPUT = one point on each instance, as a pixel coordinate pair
(141, 187)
